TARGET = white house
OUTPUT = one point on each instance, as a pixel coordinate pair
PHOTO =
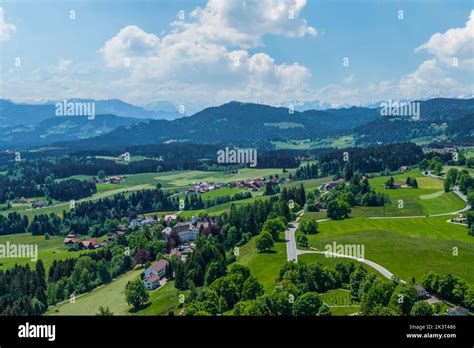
(154, 274)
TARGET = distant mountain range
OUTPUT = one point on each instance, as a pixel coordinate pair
(61, 128)
(12, 114)
(237, 123)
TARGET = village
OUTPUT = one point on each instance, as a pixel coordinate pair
(180, 234)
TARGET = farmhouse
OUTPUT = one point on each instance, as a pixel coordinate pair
(171, 217)
(88, 244)
(70, 239)
(36, 204)
(331, 184)
(421, 292)
(114, 180)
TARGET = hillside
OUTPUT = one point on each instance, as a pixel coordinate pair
(61, 128)
(248, 124)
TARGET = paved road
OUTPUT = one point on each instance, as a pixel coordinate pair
(292, 251)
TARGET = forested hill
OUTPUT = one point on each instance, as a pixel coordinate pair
(244, 123)
(237, 123)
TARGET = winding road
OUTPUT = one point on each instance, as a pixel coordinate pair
(292, 251)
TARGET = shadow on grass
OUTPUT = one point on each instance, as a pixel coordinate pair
(139, 308)
(267, 252)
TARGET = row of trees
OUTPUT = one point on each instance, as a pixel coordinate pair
(450, 287)
(339, 200)
(13, 223)
(66, 190)
(24, 181)
(23, 290)
(93, 216)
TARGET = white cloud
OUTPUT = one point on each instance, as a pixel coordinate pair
(454, 43)
(210, 50)
(6, 29)
(243, 23)
(63, 64)
(429, 80)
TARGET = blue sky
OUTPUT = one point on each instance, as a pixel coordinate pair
(236, 50)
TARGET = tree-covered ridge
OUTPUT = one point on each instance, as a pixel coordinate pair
(344, 163)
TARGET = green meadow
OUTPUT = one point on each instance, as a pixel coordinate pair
(48, 250)
(406, 247)
(340, 302)
(264, 266)
(110, 295)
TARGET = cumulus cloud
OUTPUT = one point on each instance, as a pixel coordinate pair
(6, 29)
(243, 23)
(429, 80)
(455, 43)
(211, 49)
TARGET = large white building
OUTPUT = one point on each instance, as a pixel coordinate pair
(186, 231)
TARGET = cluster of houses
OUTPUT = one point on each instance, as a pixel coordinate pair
(444, 150)
(34, 203)
(327, 186)
(202, 187)
(114, 179)
(423, 295)
(257, 183)
(187, 231)
(443, 124)
(87, 244)
(182, 251)
(140, 223)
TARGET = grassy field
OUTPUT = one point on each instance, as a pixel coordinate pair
(163, 301)
(429, 198)
(48, 250)
(310, 184)
(111, 295)
(224, 191)
(178, 180)
(470, 170)
(340, 302)
(406, 247)
(264, 266)
(306, 144)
